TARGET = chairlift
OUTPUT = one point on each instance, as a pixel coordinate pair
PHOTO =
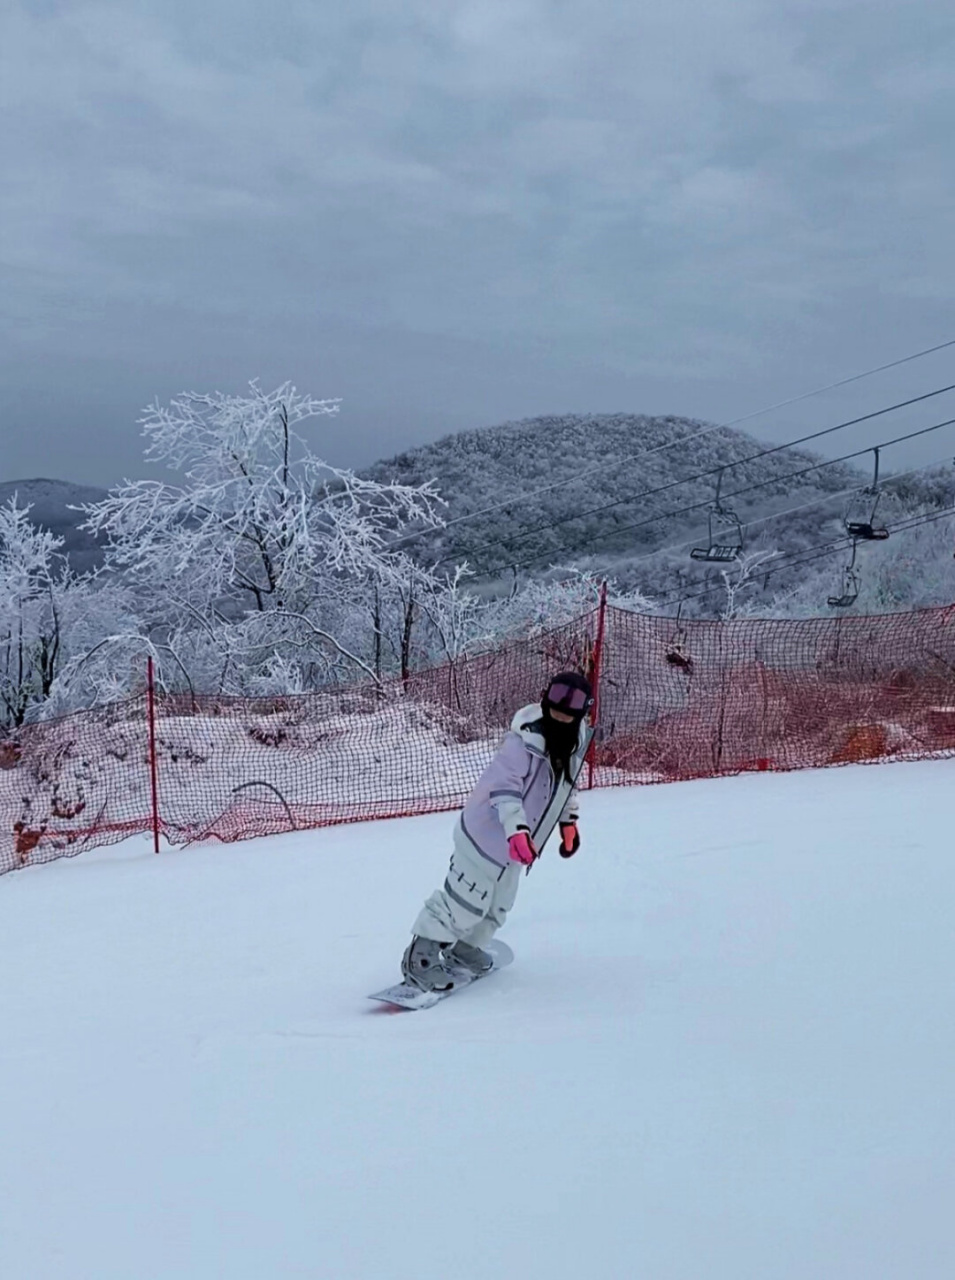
(860, 517)
(724, 532)
(850, 584)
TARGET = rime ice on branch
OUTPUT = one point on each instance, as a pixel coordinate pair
(254, 556)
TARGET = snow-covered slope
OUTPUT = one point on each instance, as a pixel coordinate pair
(725, 1049)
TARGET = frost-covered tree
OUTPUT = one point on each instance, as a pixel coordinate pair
(743, 572)
(252, 561)
(458, 620)
(540, 604)
(50, 620)
(912, 569)
(29, 622)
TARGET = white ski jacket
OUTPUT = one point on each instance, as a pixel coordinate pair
(518, 789)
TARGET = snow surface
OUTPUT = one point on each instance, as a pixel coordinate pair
(726, 1048)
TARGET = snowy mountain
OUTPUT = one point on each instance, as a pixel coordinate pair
(51, 501)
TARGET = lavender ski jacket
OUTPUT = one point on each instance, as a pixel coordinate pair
(517, 789)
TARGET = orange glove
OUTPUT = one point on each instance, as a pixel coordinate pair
(569, 839)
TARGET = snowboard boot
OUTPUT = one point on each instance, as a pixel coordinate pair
(428, 964)
(471, 958)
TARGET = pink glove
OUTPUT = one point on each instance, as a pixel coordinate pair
(521, 848)
(569, 839)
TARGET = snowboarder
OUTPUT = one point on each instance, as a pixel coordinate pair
(526, 790)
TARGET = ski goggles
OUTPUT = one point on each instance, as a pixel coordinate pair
(567, 697)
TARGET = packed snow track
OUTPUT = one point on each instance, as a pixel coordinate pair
(726, 1048)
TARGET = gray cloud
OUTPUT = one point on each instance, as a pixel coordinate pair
(449, 214)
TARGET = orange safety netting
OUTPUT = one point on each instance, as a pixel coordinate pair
(704, 698)
(677, 701)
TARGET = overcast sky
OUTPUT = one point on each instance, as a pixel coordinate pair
(454, 212)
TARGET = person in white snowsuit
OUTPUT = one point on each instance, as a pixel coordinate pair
(526, 791)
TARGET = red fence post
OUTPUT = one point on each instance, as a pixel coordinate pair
(153, 766)
(598, 650)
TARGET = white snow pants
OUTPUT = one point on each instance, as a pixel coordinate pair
(473, 902)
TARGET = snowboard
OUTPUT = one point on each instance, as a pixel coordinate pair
(405, 995)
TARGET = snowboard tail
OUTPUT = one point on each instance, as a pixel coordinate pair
(405, 995)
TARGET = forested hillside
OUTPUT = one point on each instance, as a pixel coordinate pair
(531, 499)
(576, 489)
(577, 483)
(537, 497)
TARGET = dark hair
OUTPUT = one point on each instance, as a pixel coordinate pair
(561, 738)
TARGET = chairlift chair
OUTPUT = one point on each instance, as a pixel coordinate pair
(724, 532)
(860, 516)
(850, 584)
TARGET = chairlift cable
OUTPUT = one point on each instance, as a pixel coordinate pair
(802, 506)
(683, 440)
(700, 475)
(795, 559)
(707, 502)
